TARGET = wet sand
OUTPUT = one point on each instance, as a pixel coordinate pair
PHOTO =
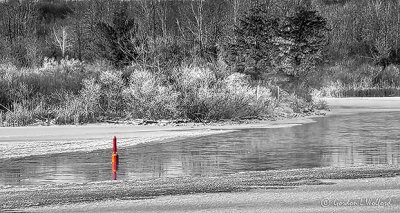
(366, 195)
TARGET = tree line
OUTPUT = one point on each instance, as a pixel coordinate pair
(284, 42)
(32, 30)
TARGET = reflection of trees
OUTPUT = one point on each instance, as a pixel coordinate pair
(146, 161)
(11, 175)
(286, 148)
(64, 168)
(18, 171)
(364, 139)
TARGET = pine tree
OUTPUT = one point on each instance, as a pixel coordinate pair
(253, 48)
(119, 39)
(284, 50)
(304, 36)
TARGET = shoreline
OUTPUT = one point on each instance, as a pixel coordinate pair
(19, 142)
(26, 141)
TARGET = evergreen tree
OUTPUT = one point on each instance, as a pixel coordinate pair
(253, 48)
(119, 39)
(304, 38)
(286, 49)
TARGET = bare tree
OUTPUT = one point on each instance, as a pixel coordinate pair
(198, 15)
(193, 23)
(162, 12)
(235, 10)
(147, 9)
(61, 40)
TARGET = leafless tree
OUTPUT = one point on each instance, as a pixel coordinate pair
(162, 13)
(61, 39)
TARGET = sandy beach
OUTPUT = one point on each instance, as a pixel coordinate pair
(304, 187)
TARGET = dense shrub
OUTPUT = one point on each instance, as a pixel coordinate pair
(70, 92)
(112, 85)
(69, 111)
(22, 84)
(204, 96)
(81, 108)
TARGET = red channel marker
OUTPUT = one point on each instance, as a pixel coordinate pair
(114, 159)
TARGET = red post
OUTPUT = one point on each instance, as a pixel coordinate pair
(114, 159)
(114, 150)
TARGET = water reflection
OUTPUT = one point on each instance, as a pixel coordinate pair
(114, 173)
(363, 139)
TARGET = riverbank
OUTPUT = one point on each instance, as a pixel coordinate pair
(25, 141)
(41, 140)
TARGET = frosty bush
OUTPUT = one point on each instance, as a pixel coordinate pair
(205, 97)
(83, 107)
(112, 86)
(147, 98)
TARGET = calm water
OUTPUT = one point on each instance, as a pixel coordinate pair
(351, 140)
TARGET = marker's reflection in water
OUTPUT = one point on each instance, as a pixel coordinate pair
(114, 174)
